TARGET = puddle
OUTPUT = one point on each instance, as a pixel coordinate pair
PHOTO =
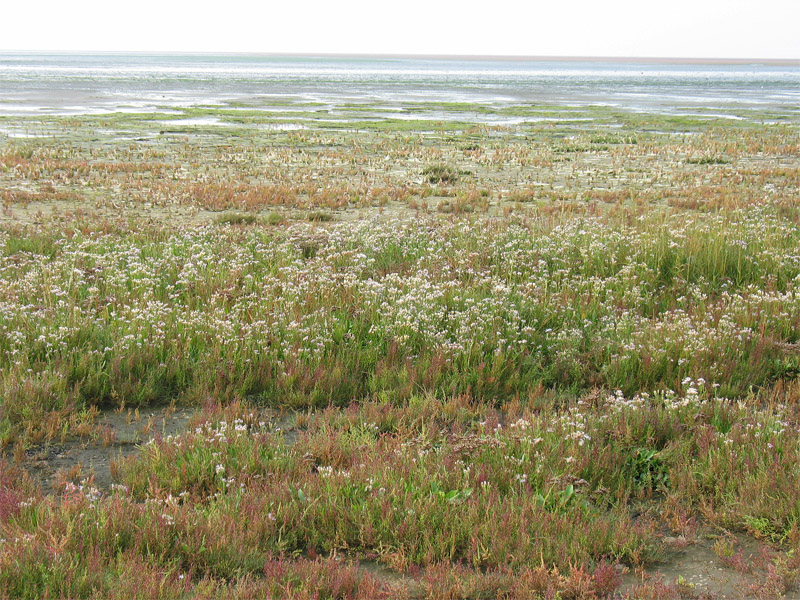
(13, 133)
(696, 570)
(199, 121)
(122, 435)
(119, 435)
(397, 584)
(282, 127)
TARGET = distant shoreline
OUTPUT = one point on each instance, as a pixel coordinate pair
(469, 57)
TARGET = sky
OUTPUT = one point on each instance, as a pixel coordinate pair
(608, 28)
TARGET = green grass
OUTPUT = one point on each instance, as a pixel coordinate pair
(492, 309)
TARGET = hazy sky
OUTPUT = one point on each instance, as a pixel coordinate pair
(673, 28)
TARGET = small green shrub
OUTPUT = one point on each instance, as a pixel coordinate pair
(440, 173)
(235, 218)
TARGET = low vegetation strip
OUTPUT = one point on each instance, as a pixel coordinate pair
(411, 485)
(301, 316)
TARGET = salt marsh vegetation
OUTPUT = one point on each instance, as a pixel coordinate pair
(426, 357)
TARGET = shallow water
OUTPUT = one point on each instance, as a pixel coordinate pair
(91, 83)
(197, 121)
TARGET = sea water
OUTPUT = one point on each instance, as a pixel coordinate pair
(46, 83)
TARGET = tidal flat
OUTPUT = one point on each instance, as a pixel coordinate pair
(441, 350)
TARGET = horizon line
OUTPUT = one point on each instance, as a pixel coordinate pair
(422, 56)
